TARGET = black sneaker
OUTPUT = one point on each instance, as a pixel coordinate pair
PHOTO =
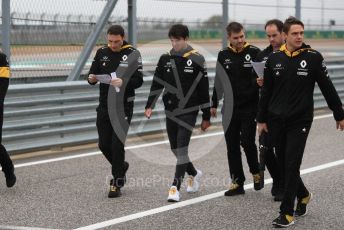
(114, 192)
(283, 221)
(257, 182)
(235, 189)
(10, 179)
(301, 207)
(121, 182)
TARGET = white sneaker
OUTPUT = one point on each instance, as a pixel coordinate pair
(173, 194)
(193, 183)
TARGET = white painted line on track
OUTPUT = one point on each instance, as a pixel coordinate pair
(98, 152)
(323, 116)
(5, 227)
(128, 148)
(193, 201)
(55, 159)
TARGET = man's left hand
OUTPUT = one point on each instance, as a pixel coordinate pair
(340, 125)
(117, 82)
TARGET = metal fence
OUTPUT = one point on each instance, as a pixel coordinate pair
(47, 37)
(50, 115)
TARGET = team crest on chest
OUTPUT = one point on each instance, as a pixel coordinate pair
(188, 68)
(124, 61)
(247, 62)
(302, 71)
(303, 63)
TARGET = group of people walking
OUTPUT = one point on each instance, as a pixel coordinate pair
(279, 104)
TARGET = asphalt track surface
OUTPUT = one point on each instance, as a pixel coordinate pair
(70, 191)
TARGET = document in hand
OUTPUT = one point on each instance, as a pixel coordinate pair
(106, 79)
(258, 68)
(114, 76)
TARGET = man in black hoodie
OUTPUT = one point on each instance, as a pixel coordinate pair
(286, 110)
(234, 63)
(182, 75)
(116, 100)
(5, 160)
(273, 29)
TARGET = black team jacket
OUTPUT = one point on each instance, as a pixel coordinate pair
(127, 64)
(289, 80)
(264, 54)
(236, 66)
(182, 77)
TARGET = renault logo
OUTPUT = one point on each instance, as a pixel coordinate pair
(247, 57)
(125, 57)
(189, 62)
(303, 64)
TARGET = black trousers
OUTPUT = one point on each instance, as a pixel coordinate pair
(111, 144)
(272, 162)
(241, 131)
(179, 134)
(5, 160)
(290, 140)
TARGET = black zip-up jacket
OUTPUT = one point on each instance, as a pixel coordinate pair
(182, 77)
(4, 81)
(127, 64)
(289, 80)
(4, 66)
(264, 54)
(236, 65)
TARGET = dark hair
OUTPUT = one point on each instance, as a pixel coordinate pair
(234, 27)
(276, 22)
(116, 30)
(291, 21)
(178, 31)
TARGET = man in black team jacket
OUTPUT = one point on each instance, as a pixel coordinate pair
(235, 61)
(120, 57)
(5, 160)
(286, 110)
(273, 29)
(181, 74)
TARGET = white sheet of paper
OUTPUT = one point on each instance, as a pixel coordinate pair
(114, 76)
(259, 68)
(104, 78)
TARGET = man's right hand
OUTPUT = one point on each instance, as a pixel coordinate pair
(213, 112)
(92, 78)
(148, 112)
(262, 127)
